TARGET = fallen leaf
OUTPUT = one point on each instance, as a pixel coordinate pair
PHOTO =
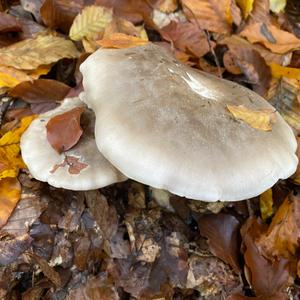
(275, 39)
(12, 247)
(186, 37)
(213, 15)
(73, 163)
(10, 77)
(48, 271)
(279, 71)
(266, 277)
(230, 63)
(120, 41)
(283, 236)
(10, 158)
(40, 90)
(90, 23)
(222, 230)
(30, 53)
(10, 193)
(167, 6)
(298, 269)
(277, 6)
(8, 23)
(258, 119)
(253, 65)
(60, 13)
(246, 6)
(64, 131)
(266, 204)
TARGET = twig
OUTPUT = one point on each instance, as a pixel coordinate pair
(211, 49)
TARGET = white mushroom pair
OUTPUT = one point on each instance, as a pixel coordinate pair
(167, 125)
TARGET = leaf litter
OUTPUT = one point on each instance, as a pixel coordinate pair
(119, 242)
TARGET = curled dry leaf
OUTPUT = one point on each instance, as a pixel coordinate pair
(40, 90)
(121, 40)
(213, 15)
(10, 158)
(60, 13)
(275, 39)
(8, 23)
(30, 53)
(221, 230)
(10, 193)
(283, 235)
(186, 37)
(253, 66)
(258, 119)
(64, 131)
(90, 23)
(266, 277)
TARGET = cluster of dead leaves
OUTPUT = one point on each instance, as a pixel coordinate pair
(119, 243)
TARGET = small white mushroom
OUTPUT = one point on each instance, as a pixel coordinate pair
(82, 167)
(167, 125)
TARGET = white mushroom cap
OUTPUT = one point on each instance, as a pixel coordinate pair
(167, 125)
(42, 160)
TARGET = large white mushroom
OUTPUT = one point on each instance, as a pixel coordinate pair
(168, 126)
(82, 167)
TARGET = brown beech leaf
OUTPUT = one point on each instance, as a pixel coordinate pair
(10, 193)
(186, 37)
(213, 15)
(266, 277)
(8, 23)
(222, 231)
(275, 39)
(276, 296)
(64, 131)
(73, 163)
(12, 247)
(167, 6)
(59, 14)
(254, 67)
(283, 235)
(121, 40)
(258, 119)
(40, 90)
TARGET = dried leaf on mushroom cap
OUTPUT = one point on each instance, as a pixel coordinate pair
(82, 167)
(167, 125)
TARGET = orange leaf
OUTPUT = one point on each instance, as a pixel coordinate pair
(64, 131)
(275, 39)
(213, 15)
(120, 41)
(283, 235)
(10, 193)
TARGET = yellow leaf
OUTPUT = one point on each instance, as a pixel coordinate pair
(10, 77)
(258, 119)
(90, 46)
(10, 158)
(266, 204)
(246, 6)
(32, 53)
(90, 22)
(279, 71)
(121, 40)
(277, 6)
(10, 193)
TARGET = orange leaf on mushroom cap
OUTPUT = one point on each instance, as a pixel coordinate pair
(64, 131)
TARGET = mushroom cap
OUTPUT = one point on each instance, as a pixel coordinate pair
(42, 160)
(167, 125)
